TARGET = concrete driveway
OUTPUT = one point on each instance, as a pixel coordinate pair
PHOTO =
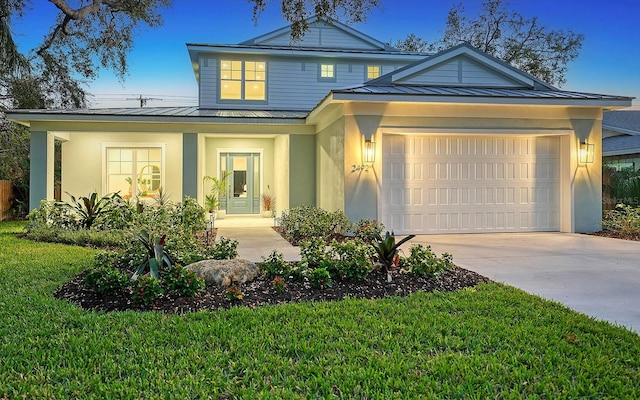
(597, 276)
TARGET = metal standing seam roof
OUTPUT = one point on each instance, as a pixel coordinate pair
(311, 49)
(185, 112)
(626, 120)
(474, 92)
(620, 143)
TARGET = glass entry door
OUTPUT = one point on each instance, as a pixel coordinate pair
(243, 196)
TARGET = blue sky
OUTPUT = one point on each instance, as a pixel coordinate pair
(609, 61)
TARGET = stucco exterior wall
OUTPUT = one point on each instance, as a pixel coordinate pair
(330, 167)
(83, 165)
(581, 184)
(281, 170)
(302, 175)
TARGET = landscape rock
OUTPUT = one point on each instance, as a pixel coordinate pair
(224, 272)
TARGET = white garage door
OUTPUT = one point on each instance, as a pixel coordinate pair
(470, 184)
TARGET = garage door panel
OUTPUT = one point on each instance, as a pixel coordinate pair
(470, 184)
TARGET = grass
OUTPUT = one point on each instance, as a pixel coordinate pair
(493, 341)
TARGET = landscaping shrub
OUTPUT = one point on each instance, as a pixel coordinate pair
(620, 187)
(305, 222)
(368, 230)
(314, 254)
(146, 289)
(278, 285)
(424, 262)
(80, 237)
(352, 259)
(274, 265)
(106, 279)
(224, 249)
(624, 219)
(320, 278)
(183, 282)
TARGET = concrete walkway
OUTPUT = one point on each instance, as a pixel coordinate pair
(596, 276)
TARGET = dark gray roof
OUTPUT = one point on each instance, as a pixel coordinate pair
(624, 144)
(309, 49)
(185, 112)
(622, 121)
(475, 92)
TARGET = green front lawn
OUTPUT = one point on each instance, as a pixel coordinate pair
(490, 342)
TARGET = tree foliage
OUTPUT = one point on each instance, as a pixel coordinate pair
(296, 12)
(85, 37)
(525, 43)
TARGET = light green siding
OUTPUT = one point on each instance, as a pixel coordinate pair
(190, 165)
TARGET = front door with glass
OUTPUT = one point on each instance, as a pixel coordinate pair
(243, 196)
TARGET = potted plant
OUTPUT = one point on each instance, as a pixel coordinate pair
(268, 205)
(219, 187)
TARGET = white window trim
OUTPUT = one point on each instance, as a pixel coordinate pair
(124, 145)
(366, 71)
(326, 78)
(243, 81)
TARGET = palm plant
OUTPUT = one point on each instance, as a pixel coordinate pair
(219, 187)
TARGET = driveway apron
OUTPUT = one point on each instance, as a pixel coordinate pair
(596, 276)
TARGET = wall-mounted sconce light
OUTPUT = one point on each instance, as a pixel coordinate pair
(586, 153)
(368, 155)
(369, 151)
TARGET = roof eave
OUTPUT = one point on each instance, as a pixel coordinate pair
(27, 118)
(615, 103)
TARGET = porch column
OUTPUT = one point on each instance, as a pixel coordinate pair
(41, 168)
(190, 164)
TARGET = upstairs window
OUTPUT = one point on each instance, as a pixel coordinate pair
(327, 72)
(373, 71)
(243, 80)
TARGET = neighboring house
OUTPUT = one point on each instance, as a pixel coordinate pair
(621, 139)
(452, 142)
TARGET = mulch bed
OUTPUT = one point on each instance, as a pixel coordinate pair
(618, 235)
(259, 292)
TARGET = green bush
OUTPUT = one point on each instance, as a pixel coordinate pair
(352, 259)
(51, 214)
(80, 237)
(146, 289)
(368, 230)
(313, 253)
(620, 187)
(183, 282)
(274, 265)
(424, 262)
(624, 219)
(305, 222)
(320, 278)
(106, 279)
(224, 249)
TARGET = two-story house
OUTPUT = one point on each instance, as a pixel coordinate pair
(451, 142)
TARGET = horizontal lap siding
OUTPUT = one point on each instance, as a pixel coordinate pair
(291, 84)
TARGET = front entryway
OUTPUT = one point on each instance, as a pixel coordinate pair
(243, 196)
